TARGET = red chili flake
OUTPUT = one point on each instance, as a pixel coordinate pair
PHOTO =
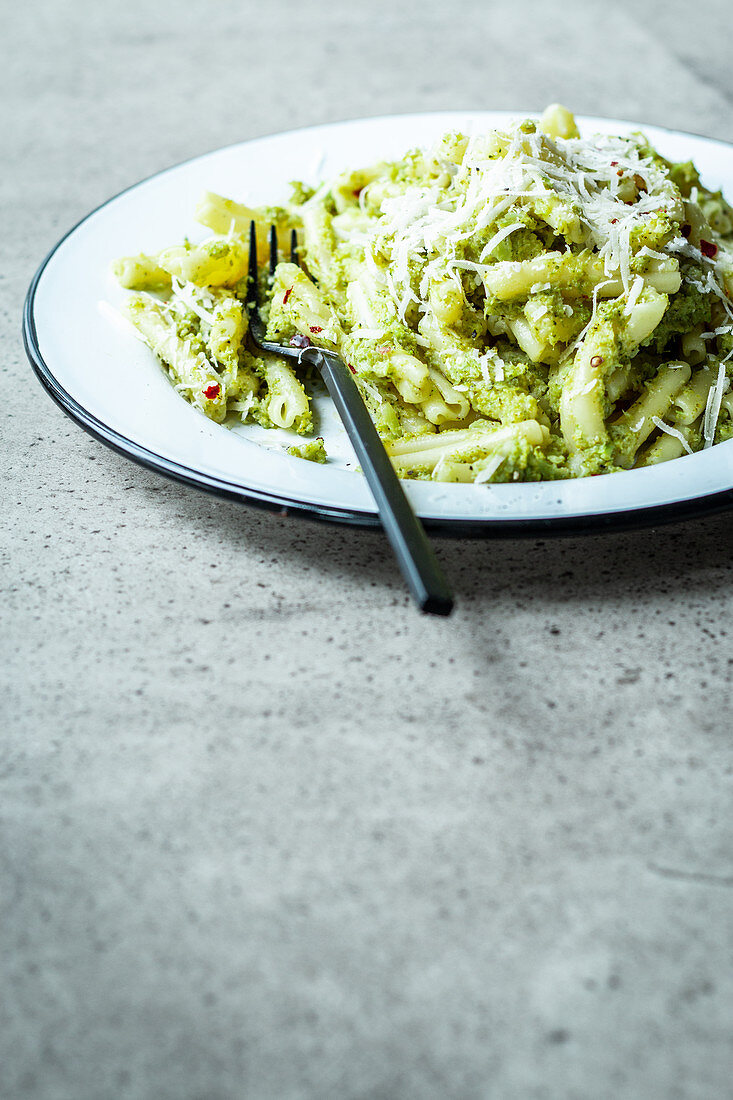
(299, 341)
(287, 294)
(351, 368)
(614, 163)
(212, 390)
(709, 249)
(613, 221)
(316, 328)
(619, 172)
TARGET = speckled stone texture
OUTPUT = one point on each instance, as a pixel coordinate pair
(267, 834)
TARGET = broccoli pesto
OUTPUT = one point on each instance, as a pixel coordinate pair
(522, 304)
(314, 450)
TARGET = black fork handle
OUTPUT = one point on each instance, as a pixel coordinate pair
(404, 530)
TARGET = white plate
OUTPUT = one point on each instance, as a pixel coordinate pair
(112, 385)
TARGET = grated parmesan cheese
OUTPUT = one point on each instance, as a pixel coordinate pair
(184, 291)
(712, 407)
(669, 430)
(634, 294)
(489, 469)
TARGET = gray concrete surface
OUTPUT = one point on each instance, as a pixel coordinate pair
(266, 834)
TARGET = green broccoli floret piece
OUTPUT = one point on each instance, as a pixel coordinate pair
(314, 450)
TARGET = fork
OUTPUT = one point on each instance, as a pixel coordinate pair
(404, 530)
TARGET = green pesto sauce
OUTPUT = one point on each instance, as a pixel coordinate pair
(314, 450)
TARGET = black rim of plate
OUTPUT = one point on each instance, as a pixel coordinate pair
(283, 504)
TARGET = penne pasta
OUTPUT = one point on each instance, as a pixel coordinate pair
(524, 304)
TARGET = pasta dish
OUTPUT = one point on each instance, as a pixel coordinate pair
(522, 304)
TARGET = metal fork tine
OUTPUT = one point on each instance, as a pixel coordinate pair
(253, 298)
(294, 259)
(273, 250)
